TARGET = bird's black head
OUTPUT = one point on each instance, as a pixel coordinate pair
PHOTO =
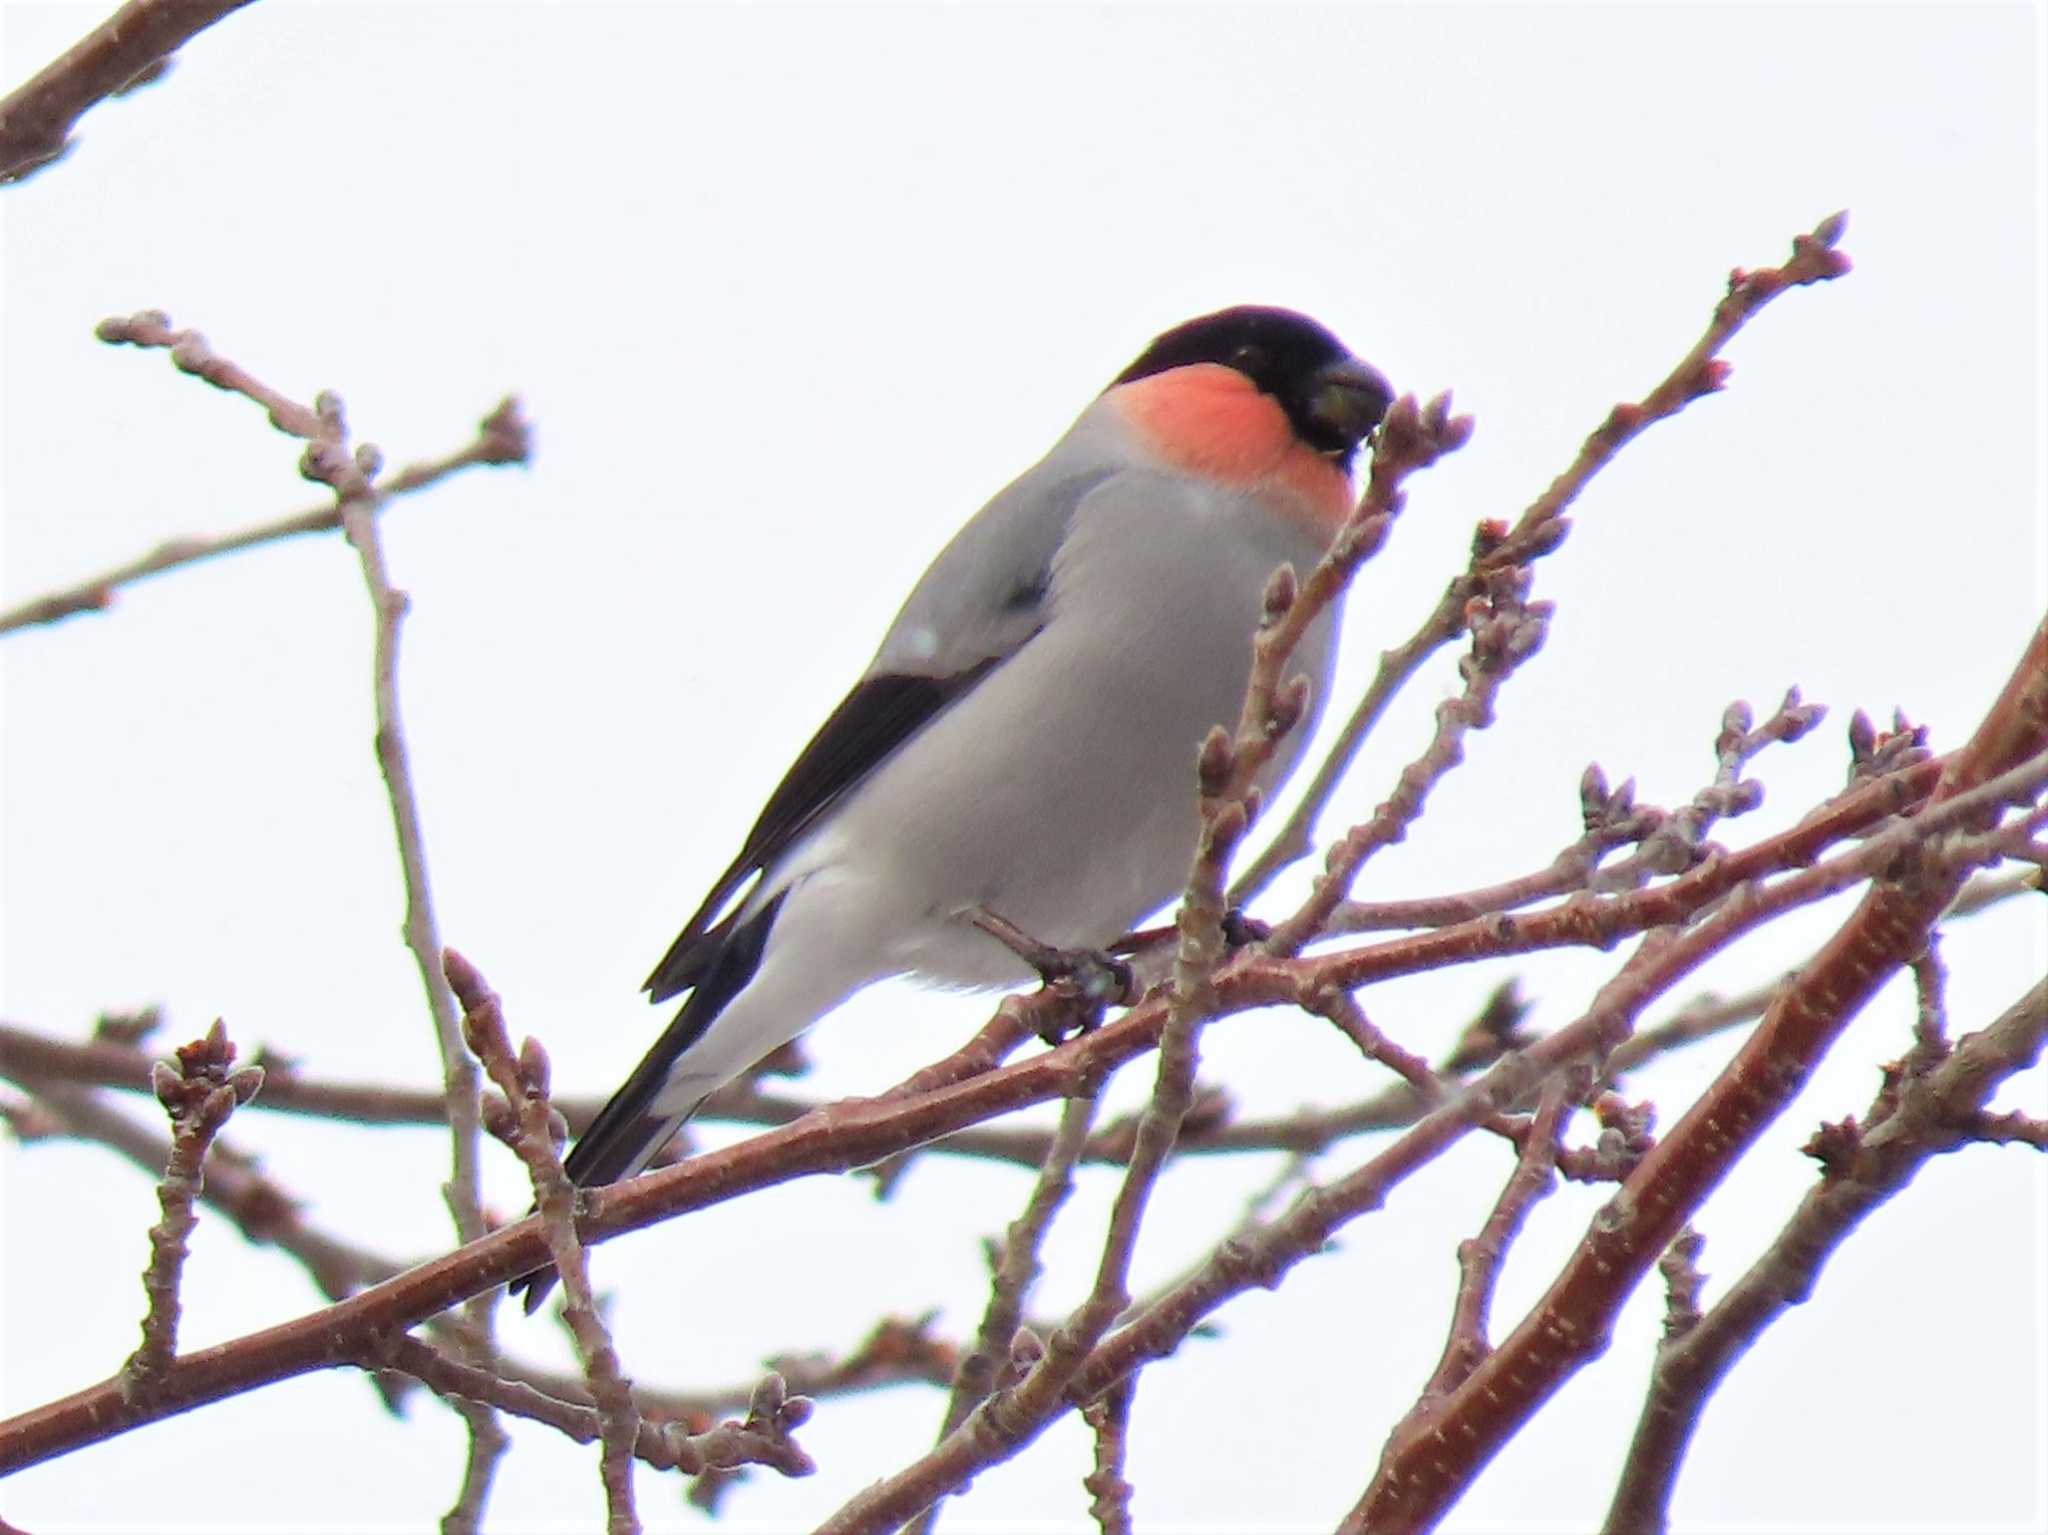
(1331, 398)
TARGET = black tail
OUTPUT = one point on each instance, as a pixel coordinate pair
(629, 1130)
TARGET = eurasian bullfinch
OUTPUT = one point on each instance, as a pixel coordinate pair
(1024, 741)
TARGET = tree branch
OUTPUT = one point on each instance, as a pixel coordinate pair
(351, 475)
(503, 437)
(1542, 527)
(1419, 1478)
(130, 48)
(524, 1082)
(1935, 1113)
(199, 1095)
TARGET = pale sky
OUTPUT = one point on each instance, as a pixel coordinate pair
(787, 293)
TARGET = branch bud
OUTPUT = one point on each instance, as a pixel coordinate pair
(1212, 768)
(1282, 587)
(1290, 703)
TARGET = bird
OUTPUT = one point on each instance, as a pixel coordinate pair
(1023, 744)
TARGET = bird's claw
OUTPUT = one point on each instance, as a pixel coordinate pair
(1099, 979)
(1089, 982)
(1091, 979)
(1241, 931)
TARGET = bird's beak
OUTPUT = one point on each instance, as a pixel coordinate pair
(1349, 399)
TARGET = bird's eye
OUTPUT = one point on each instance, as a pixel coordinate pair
(1248, 359)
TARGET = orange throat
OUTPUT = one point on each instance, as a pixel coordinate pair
(1212, 422)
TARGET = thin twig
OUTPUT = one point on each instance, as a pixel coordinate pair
(488, 1442)
(1017, 1267)
(503, 437)
(1506, 630)
(351, 476)
(896, 1351)
(1480, 1258)
(1543, 526)
(1612, 819)
(762, 1439)
(199, 1095)
(262, 1211)
(524, 1082)
(1109, 1416)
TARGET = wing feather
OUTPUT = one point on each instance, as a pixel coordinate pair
(982, 600)
(871, 723)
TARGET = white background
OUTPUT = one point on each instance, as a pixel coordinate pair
(788, 292)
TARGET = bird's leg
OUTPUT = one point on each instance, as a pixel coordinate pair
(1092, 978)
(1239, 931)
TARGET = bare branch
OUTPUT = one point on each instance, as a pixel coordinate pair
(968, 1088)
(1936, 1112)
(262, 1211)
(1480, 1258)
(351, 476)
(1543, 526)
(524, 1082)
(503, 437)
(1110, 1418)
(199, 1095)
(1418, 1479)
(762, 1439)
(130, 48)
(1016, 1267)
(1506, 630)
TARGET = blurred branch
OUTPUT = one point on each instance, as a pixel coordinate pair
(893, 1353)
(503, 437)
(1931, 1112)
(763, 1439)
(264, 1213)
(130, 48)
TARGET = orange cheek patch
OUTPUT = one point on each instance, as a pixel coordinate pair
(1212, 421)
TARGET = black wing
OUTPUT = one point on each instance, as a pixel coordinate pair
(877, 717)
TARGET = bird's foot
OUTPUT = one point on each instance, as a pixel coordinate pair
(1091, 979)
